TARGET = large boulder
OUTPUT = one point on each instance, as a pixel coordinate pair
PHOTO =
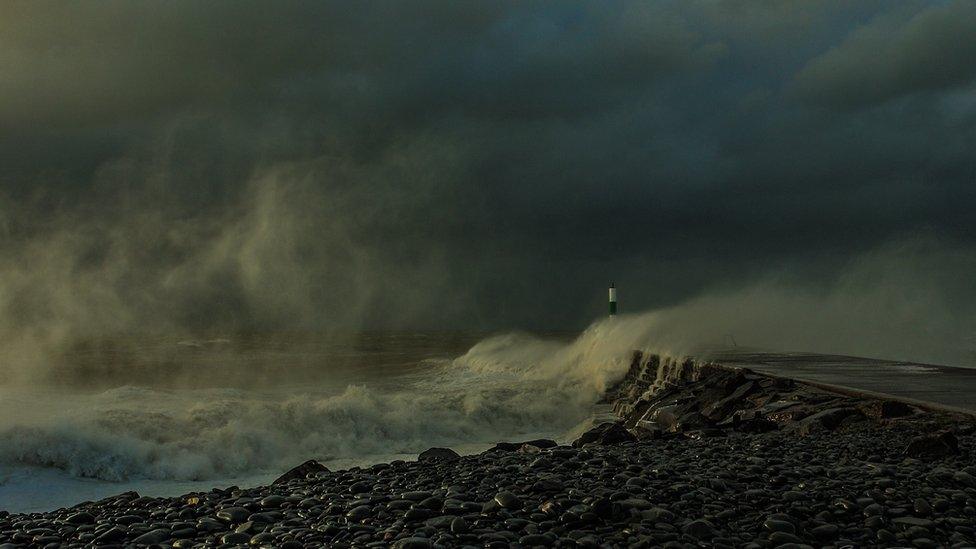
(749, 421)
(438, 454)
(301, 472)
(825, 420)
(886, 409)
(664, 417)
(783, 411)
(936, 445)
(718, 410)
(692, 421)
(682, 414)
(541, 443)
(605, 434)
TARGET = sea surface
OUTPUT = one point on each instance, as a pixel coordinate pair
(169, 415)
(166, 415)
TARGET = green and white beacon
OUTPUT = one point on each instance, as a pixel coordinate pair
(613, 300)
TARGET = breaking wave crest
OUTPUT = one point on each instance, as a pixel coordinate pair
(502, 387)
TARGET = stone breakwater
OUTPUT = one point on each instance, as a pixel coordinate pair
(703, 456)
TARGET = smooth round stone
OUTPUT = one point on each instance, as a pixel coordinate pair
(846, 505)
(399, 505)
(158, 535)
(874, 522)
(874, 510)
(417, 514)
(233, 514)
(112, 534)
(793, 496)
(634, 503)
(658, 514)
(508, 500)
(359, 513)
(774, 525)
(700, 529)
(910, 522)
(922, 507)
(412, 543)
(272, 502)
(265, 518)
(535, 539)
(360, 487)
(249, 527)
(825, 532)
(602, 507)
(208, 524)
(459, 526)
(965, 479)
(885, 536)
(432, 503)
(126, 520)
(182, 533)
(262, 538)
(308, 503)
(235, 538)
(441, 522)
(80, 518)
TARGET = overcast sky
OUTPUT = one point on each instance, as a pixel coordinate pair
(443, 164)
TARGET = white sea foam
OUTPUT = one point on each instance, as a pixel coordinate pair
(503, 388)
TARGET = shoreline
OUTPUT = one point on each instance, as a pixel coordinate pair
(702, 454)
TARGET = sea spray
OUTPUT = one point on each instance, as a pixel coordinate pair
(503, 387)
(388, 404)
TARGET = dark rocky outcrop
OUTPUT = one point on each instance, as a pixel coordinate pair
(824, 420)
(542, 443)
(438, 454)
(301, 472)
(936, 445)
(887, 409)
(659, 396)
(605, 434)
(749, 421)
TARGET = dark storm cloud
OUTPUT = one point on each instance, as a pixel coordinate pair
(70, 64)
(457, 164)
(930, 48)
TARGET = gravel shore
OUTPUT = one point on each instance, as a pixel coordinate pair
(907, 481)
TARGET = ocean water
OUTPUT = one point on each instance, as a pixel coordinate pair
(164, 416)
(168, 415)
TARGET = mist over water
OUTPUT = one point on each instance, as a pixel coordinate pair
(225, 344)
(223, 408)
